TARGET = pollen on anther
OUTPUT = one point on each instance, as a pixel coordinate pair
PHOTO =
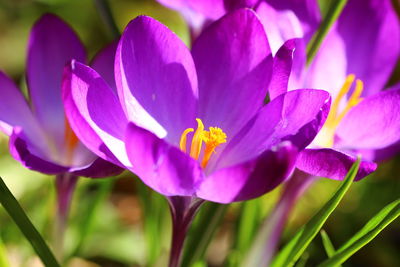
(214, 137)
(326, 136)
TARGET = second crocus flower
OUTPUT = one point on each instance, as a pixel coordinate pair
(40, 135)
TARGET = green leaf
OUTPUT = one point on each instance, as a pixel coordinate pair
(249, 221)
(202, 232)
(288, 256)
(199, 264)
(155, 209)
(15, 211)
(104, 10)
(332, 15)
(3, 256)
(330, 250)
(85, 227)
(365, 235)
(303, 260)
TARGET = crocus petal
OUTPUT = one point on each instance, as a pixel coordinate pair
(234, 65)
(280, 25)
(210, 9)
(198, 12)
(365, 41)
(20, 151)
(52, 44)
(307, 11)
(331, 164)
(296, 79)
(103, 63)
(94, 112)
(159, 165)
(14, 111)
(250, 179)
(371, 31)
(156, 79)
(231, 5)
(286, 65)
(328, 69)
(384, 153)
(191, 14)
(374, 123)
(99, 168)
(296, 116)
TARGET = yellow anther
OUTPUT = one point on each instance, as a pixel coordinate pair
(353, 101)
(212, 139)
(330, 121)
(182, 142)
(197, 141)
(327, 133)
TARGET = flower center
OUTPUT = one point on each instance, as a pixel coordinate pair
(71, 141)
(212, 139)
(325, 138)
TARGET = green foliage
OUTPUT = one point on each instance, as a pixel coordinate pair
(3, 257)
(249, 222)
(365, 235)
(294, 249)
(330, 250)
(15, 211)
(86, 226)
(155, 209)
(202, 232)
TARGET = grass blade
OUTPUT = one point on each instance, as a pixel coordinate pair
(365, 235)
(330, 250)
(104, 9)
(3, 255)
(85, 228)
(249, 222)
(15, 211)
(288, 256)
(202, 232)
(332, 15)
(155, 210)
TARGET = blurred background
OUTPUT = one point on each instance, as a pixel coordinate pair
(118, 221)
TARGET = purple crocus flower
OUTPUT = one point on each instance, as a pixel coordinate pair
(156, 123)
(163, 89)
(40, 136)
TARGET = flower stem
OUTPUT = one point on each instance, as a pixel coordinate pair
(65, 185)
(183, 210)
